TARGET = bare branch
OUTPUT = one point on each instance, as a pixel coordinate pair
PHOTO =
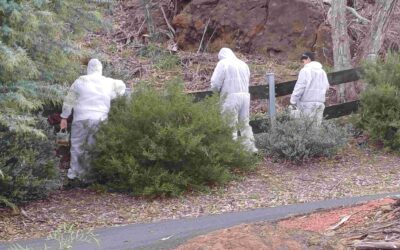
(166, 20)
(204, 33)
(352, 10)
(327, 2)
(377, 245)
(359, 17)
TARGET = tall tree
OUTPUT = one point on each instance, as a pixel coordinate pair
(378, 28)
(39, 45)
(341, 44)
(369, 47)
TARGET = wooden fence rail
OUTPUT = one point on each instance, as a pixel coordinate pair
(330, 112)
(286, 88)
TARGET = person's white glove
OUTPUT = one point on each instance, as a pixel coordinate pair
(292, 107)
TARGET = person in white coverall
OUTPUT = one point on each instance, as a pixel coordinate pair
(231, 79)
(90, 98)
(310, 89)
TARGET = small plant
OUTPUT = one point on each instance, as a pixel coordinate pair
(65, 235)
(151, 51)
(294, 66)
(19, 247)
(161, 143)
(297, 139)
(161, 58)
(167, 62)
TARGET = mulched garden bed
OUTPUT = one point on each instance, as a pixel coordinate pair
(372, 225)
(354, 172)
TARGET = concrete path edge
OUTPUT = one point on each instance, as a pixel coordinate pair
(170, 233)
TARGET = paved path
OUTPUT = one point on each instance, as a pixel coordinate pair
(168, 234)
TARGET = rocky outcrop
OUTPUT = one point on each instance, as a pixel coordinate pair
(277, 28)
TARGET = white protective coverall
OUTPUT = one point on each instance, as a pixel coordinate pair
(90, 97)
(231, 79)
(310, 89)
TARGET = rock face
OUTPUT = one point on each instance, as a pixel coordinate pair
(278, 28)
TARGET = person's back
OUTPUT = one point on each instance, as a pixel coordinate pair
(231, 79)
(310, 89)
(94, 95)
(316, 82)
(231, 75)
(90, 97)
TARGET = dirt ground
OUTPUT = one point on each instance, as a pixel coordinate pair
(355, 171)
(321, 230)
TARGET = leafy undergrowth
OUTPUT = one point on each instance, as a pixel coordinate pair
(354, 172)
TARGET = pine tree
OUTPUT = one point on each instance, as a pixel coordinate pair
(39, 46)
(38, 38)
(40, 53)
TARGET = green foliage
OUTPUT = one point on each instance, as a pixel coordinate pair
(299, 139)
(151, 51)
(65, 235)
(383, 71)
(163, 143)
(28, 165)
(27, 160)
(380, 103)
(21, 101)
(167, 62)
(161, 58)
(294, 65)
(380, 114)
(39, 46)
(38, 38)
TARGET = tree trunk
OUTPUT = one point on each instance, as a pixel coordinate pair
(376, 35)
(340, 39)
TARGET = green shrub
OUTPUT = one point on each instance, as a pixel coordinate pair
(40, 46)
(383, 71)
(40, 39)
(64, 237)
(27, 157)
(380, 103)
(27, 164)
(380, 114)
(299, 139)
(163, 143)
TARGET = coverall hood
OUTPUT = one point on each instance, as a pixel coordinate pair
(94, 67)
(226, 53)
(314, 65)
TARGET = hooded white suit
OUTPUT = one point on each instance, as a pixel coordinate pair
(310, 89)
(231, 79)
(90, 97)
